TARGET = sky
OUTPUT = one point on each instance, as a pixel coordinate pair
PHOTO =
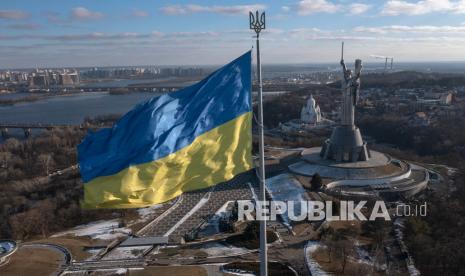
(52, 33)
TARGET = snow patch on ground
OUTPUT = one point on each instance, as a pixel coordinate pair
(363, 255)
(107, 271)
(348, 193)
(102, 230)
(285, 187)
(218, 249)
(126, 252)
(146, 213)
(451, 171)
(412, 270)
(312, 265)
(94, 252)
(238, 272)
(121, 271)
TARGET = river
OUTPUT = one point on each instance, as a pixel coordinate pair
(72, 109)
(69, 109)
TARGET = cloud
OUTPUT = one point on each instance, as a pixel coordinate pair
(285, 8)
(157, 34)
(78, 37)
(231, 10)
(173, 10)
(53, 17)
(306, 7)
(13, 14)
(411, 29)
(140, 13)
(307, 44)
(396, 7)
(99, 36)
(24, 26)
(193, 34)
(81, 13)
(358, 8)
(318, 34)
(301, 31)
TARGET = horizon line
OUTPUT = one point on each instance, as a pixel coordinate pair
(215, 65)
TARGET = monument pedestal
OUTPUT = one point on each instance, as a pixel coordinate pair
(345, 145)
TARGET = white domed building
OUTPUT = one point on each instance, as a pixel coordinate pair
(310, 113)
(310, 118)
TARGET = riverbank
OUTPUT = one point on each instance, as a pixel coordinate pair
(32, 97)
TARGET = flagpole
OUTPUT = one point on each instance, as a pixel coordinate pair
(257, 23)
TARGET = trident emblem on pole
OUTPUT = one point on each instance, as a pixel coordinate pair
(257, 21)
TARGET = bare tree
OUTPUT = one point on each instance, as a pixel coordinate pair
(5, 159)
(46, 161)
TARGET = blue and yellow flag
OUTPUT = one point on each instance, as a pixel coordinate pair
(191, 139)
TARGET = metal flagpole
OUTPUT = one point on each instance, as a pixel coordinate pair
(257, 23)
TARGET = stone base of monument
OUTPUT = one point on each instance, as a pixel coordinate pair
(380, 175)
(346, 144)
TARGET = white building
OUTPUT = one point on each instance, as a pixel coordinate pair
(310, 113)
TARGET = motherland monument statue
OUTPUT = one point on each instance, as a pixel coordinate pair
(346, 143)
(350, 92)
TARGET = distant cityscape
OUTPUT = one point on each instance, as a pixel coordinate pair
(60, 80)
(150, 72)
(145, 77)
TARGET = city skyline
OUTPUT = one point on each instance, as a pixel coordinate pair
(93, 33)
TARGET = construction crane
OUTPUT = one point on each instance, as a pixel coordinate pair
(386, 60)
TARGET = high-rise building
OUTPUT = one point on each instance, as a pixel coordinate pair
(69, 78)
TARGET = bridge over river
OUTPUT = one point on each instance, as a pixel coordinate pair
(27, 127)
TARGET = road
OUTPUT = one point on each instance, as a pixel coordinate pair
(67, 257)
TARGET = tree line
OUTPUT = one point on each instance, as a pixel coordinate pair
(33, 204)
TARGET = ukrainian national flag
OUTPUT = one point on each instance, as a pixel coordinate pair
(191, 139)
